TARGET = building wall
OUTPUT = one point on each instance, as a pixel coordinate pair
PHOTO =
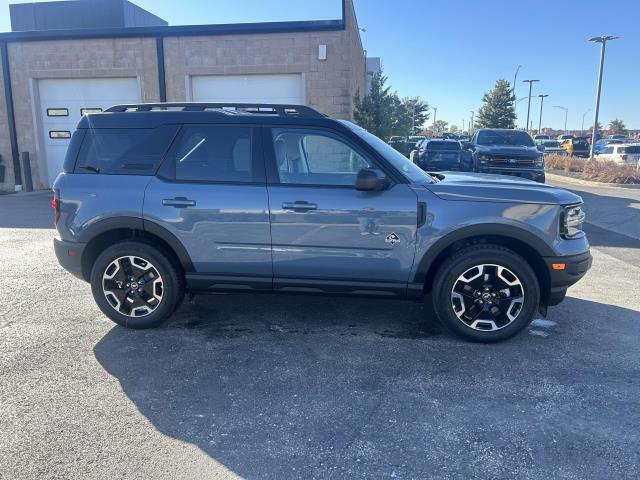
(98, 58)
(5, 142)
(329, 85)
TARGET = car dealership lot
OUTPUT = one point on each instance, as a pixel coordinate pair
(248, 386)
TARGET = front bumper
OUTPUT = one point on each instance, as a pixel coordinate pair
(70, 256)
(575, 267)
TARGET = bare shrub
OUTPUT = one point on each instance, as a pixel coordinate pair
(595, 170)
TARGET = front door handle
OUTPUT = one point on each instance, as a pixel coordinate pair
(178, 202)
(299, 206)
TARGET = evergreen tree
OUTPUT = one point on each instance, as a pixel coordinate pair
(498, 109)
(372, 112)
(617, 127)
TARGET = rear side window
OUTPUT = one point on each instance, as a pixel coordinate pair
(632, 149)
(215, 154)
(115, 151)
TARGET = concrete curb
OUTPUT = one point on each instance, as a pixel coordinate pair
(588, 183)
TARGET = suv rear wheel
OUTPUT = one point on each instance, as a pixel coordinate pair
(486, 293)
(136, 285)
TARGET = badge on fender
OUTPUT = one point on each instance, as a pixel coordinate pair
(392, 238)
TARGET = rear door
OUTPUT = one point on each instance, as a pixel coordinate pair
(326, 234)
(211, 194)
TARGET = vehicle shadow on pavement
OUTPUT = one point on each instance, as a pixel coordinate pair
(312, 387)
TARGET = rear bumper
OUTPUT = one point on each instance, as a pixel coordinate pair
(575, 267)
(70, 256)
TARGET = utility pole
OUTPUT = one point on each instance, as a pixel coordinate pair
(540, 121)
(583, 115)
(603, 43)
(530, 82)
(566, 111)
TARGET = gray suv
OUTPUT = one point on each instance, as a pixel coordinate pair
(156, 200)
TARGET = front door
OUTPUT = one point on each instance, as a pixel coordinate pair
(211, 194)
(326, 234)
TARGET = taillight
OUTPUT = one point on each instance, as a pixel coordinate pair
(623, 157)
(55, 204)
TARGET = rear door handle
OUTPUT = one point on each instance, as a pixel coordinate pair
(299, 206)
(178, 202)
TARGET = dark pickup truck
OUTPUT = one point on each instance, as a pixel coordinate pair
(505, 152)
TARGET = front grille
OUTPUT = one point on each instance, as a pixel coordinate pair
(510, 160)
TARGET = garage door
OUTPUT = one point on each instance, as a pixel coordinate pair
(280, 88)
(63, 101)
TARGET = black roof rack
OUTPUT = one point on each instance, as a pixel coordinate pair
(229, 108)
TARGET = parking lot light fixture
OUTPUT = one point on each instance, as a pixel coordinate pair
(566, 111)
(471, 124)
(541, 103)
(530, 82)
(435, 112)
(603, 43)
(583, 115)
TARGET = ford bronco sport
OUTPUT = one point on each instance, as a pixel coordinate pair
(156, 200)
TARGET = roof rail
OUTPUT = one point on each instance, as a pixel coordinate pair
(241, 108)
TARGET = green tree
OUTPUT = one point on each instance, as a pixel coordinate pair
(372, 111)
(384, 113)
(617, 127)
(598, 128)
(454, 128)
(498, 109)
(439, 127)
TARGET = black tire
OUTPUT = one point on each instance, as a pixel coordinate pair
(463, 262)
(167, 282)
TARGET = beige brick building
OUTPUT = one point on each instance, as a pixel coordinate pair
(55, 75)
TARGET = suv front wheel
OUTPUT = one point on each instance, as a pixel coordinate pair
(486, 293)
(136, 285)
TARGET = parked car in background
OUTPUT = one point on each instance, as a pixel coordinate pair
(576, 147)
(551, 147)
(623, 153)
(413, 141)
(505, 152)
(440, 154)
(601, 144)
(617, 136)
(541, 137)
(564, 136)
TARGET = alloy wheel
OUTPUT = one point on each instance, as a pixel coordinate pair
(487, 297)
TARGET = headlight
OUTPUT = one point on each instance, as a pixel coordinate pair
(483, 158)
(571, 221)
(540, 161)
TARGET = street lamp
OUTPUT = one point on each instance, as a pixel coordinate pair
(530, 82)
(515, 77)
(566, 111)
(583, 115)
(435, 112)
(540, 121)
(471, 124)
(603, 43)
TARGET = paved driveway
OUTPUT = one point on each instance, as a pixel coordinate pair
(248, 386)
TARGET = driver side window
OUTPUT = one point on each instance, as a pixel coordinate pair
(313, 157)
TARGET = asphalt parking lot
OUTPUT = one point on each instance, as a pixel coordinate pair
(245, 386)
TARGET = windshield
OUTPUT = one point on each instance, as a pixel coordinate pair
(399, 161)
(436, 145)
(504, 137)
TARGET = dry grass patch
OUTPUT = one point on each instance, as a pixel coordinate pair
(594, 170)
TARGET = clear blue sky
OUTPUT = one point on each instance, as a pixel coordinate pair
(450, 53)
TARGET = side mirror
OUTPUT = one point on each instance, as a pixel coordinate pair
(370, 179)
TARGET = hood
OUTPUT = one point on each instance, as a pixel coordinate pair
(478, 187)
(507, 150)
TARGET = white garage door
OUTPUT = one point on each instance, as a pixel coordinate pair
(279, 88)
(62, 101)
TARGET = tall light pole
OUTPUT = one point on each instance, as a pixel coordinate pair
(583, 115)
(435, 112)
(603, 43)
(530, 82)
(540, 121)
(566, 111)
(463, 124)
(471, 124)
